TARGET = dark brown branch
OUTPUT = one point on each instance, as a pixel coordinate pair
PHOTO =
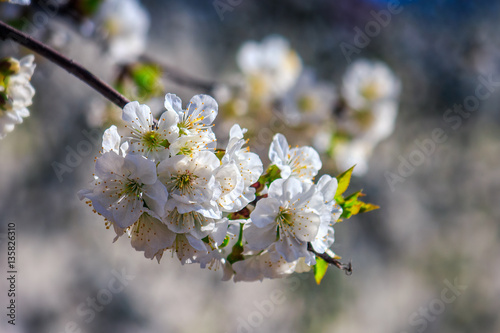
(7, 32)
(347, 268)
(180, 77)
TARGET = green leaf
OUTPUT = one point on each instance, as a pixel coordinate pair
(343, 179)
(366, 207)
(320, 269)
(351, 205)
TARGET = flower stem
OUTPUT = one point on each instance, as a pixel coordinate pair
(347, 268)
(8, 32)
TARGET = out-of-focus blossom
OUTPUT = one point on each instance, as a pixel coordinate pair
(18, 2)
(124, 24)
(16, 92)
(309, 101)
(271, 67)
(368, 82)
(371, 92)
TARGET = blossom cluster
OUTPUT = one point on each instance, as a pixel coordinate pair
(165, 184)
(16, 91)
(293, 215)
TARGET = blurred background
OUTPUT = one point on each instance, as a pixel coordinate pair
(438, 224)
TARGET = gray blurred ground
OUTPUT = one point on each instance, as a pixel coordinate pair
(441, 223)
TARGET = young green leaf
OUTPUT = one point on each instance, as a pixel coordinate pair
(320, 269)
(343, 179)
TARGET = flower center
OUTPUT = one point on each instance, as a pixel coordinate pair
(306, 103)
(189, 123)
(284, 218)
(183, 182)
(153, 140)
(370, 91)
(132, 188)
(364, 118)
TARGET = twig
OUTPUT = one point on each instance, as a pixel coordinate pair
(179, 77)
(347, 268)
(7, 32)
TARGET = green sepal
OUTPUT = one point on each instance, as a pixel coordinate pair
(220, 153)
(225, 242)
(237, 250)
(236, 254)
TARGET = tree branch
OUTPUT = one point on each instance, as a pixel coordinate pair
(7, 32)
(347, 268)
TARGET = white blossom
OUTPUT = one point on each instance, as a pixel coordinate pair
(192, 222)
(371, 92)
(303, 162)
(268, 264)
(199, 115)
(147, 137)
(193, 143)
(124, 24)
(191, 183)
(271, 67)
(215, 258)
(188, 248)
(150, 235)
(123, 186)
(16, 93)
(327, 186)
(367, 82)
(19, 2)
(239, 170)
(289, 217)
(309, 101)
(111, 142)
